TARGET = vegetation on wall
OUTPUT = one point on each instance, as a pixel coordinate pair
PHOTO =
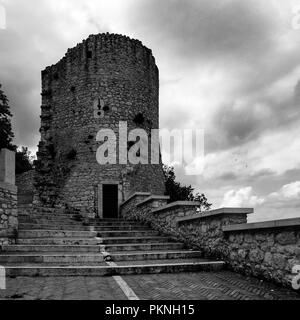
(177, 192)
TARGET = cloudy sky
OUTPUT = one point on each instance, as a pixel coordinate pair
(230, 67)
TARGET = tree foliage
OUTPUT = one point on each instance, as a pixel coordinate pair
(177, 192)
(6, 133)
(23, 156)
(23, 160)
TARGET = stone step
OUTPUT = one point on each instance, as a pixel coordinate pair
(129, 227)
(124, 263)
(111, 220)
(70, 221)
(124, 233)
(132, 240)
(143, 247)
(49, 223)
(30, 219)
(48, 216)
(78, 226)
(58, 258)
(59, 241)
(53, 226)
(113, 223)
(171, 267)
(50, 248)
(83, 258)
(154, 255)
(29, 234)
(48, 210)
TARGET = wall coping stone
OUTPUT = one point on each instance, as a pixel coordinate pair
(217, 212)
(153, 197)
(283, 223)
(8, 186)
(176, 204)
(135, 195)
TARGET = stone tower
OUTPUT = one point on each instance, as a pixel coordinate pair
(105, 79)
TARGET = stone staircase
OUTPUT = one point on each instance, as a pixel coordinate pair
(57, 244)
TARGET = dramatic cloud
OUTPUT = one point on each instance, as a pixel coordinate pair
(208, 29)
(288, 191)
(241, 198)
(230, 67)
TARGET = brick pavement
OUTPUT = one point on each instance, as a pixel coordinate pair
(62, 288)
(223, 285)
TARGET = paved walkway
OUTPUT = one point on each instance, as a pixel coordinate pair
(223, 285)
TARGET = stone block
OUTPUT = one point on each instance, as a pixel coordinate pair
(285, 238)
(256, 256)
(279, 261)
(268, 258)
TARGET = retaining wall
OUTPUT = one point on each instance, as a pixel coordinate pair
(267, 250)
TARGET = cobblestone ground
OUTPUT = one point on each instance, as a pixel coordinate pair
(222, 285)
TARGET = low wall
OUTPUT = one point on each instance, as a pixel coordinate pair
(162, 216)
(128, 208)
(8, 198)
(267, 250)
(8, 213)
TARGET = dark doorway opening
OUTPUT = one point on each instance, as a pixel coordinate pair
(110, 201)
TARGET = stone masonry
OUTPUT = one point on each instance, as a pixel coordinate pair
(24, 182)
(268, 250)
(8, 198)
(103, 80)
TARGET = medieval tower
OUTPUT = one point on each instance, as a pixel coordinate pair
(105, 79)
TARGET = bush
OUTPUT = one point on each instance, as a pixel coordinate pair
(177, 192)
(23, 161)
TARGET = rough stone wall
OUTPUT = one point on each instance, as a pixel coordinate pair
(8, 198)
(206, 233)
(154, 210)
(24, 182)
(128, 207)
(103, 80)
(268, 253)
(163, 217)
(265, 253)
(8, 213)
